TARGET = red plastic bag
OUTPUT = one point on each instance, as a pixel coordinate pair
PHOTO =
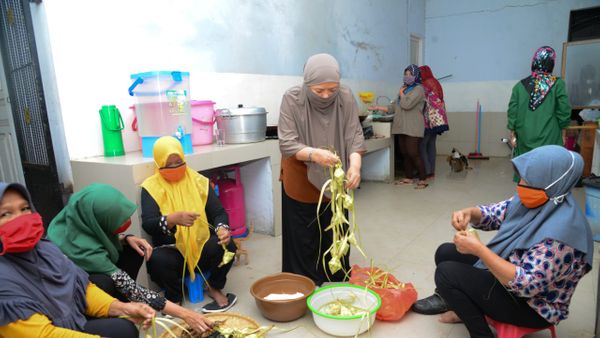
(396, 297)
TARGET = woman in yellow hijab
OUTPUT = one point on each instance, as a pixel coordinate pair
(188, 225)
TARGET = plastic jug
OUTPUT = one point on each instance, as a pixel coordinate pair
(112, 124)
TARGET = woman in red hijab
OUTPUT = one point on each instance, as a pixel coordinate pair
(436, 121)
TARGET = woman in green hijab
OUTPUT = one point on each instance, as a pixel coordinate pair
(89, 231)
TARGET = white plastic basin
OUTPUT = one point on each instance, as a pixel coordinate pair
(344, 326)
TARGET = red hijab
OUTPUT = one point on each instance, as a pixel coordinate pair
(430, 82)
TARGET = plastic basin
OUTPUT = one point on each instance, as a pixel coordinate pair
(282, 283)
(344, 326)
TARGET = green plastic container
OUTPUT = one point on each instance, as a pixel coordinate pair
(112, 124)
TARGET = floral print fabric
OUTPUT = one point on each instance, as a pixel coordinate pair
(541, 80)
(546, 274)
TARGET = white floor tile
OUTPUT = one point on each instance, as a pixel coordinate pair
(401, 227)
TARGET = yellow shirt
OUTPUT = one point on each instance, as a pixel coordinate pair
(39, 325)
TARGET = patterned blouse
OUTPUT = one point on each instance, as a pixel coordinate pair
(137, 293)
(547, 273)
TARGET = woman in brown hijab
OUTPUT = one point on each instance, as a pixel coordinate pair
(318, 126)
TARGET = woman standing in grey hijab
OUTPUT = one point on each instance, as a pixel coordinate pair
(527, 274)
(318, 126)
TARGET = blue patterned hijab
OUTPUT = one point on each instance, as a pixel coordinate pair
(61, 295)
(556, 170)
(416, 72)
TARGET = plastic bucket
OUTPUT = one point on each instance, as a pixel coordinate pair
(112, 124)
(203, 119)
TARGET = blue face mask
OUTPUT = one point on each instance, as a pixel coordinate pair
(409, 80)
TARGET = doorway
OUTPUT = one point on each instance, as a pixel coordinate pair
(416, 50)
(25, 107)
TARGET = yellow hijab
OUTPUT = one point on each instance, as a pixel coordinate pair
(189, 194)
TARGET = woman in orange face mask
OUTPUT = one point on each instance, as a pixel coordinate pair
(187, 223)
(527, 273)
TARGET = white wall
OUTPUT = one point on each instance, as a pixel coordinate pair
(246, 52)
(487, 47)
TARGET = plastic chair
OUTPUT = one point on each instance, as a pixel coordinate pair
(504, 330)
(196, 288)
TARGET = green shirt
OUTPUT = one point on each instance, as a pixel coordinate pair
(542, 126)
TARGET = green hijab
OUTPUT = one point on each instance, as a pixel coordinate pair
(84, 229)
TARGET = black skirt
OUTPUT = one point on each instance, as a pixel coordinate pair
(302, 249)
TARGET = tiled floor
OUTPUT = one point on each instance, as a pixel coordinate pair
(401, 228)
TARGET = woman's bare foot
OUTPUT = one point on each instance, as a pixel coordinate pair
(218, 296)
(449, 317)
(421, 185)
(404, 181)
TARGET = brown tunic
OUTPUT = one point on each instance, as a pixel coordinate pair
(300, 126)
(408, 114)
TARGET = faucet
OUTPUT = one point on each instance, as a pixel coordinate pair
(381, 97)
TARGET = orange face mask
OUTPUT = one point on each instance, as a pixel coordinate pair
(173, 174)
(532, 197)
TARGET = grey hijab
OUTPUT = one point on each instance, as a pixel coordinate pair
(556, 170)
(308, 120)
(43, 281)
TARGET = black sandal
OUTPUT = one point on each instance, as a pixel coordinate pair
(213, 307)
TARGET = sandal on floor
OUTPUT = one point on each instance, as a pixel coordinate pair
(404, 181)
(213, 307)
(421, 185)
(431, 305)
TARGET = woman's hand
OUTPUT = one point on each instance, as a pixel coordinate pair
(197, 321)
(380, 108)
(140, 245)
(513, 139)
(353, 177)
(466, 243)
(324, 158)
(182, 218)
(401, 91)
(461, 219)
(136, 312)
(224, 236)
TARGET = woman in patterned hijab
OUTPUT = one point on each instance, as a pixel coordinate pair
(539, 109)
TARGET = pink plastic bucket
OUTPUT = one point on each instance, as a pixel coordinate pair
(203, 119)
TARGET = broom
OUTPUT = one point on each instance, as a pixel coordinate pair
(477, 155)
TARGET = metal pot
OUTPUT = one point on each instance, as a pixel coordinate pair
(242, 124)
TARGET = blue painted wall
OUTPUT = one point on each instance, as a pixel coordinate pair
(494, 40)
(369, 38)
